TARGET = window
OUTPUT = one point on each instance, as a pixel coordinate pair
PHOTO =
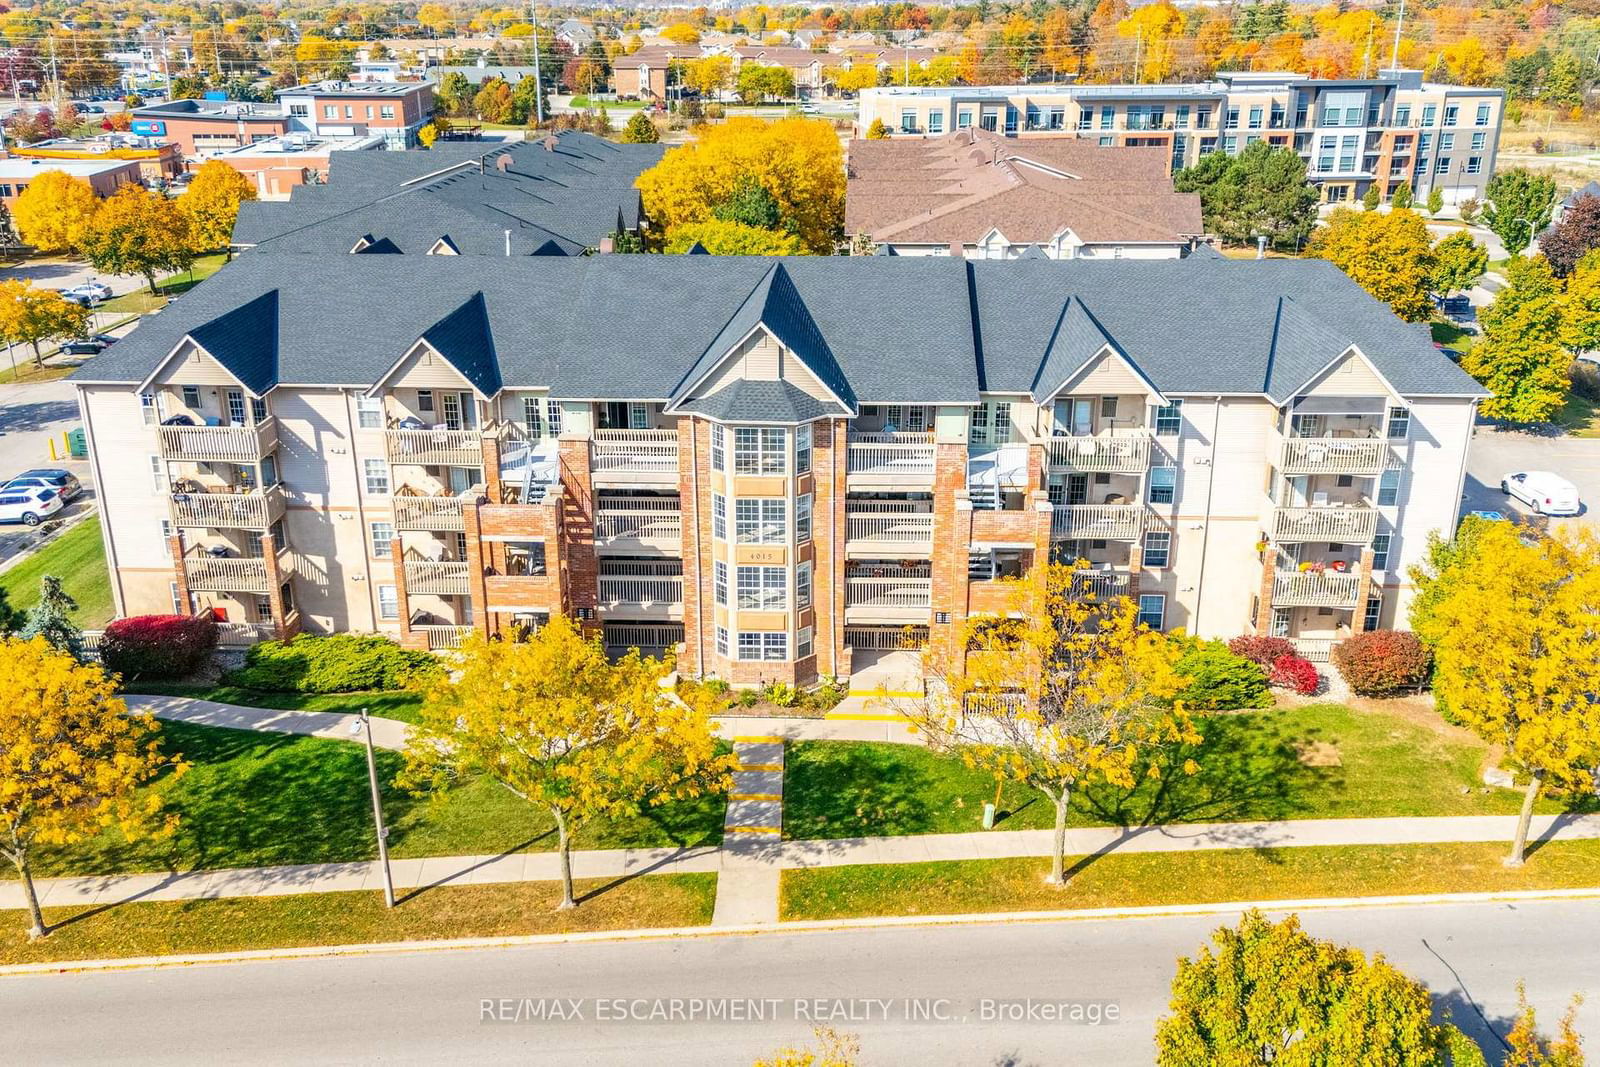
(425, 401)
(388, 602)
(1399, 424)
(524, 559)
(158, 475)
(258, 408)
(763, 588)
(1280, 622)
(963, 120)
(1230, 144)
(1276, 119)
(1451, 113)
(191, 397)
(1153, 610)
(719, 460)
(178, 606)
(802, 449)
(1402, 115)
(1255, 118)
(369, 111)
(1157, 548)
(1374, 614)
(1443, 165)
(1347, 153)
(1380, 552)
(1034, 117)
(760, 521)
(719, 582)
(1181, 117)
(802, 584)
(329, 111)
(1086, 118)
(1056, 118)
(1108, 117)
(908, 121)
(719, 516)
(1325, 154)
(802, 517)
(1477, 141)
(263, 609)
(148, 409)
(763, 646)
(1231, 122)
(1447, 142)
(1108, 407)
(1012, 118)
(1169, 419)
(758, 451)
(349, 111)
(166, 529)
(381, 535)
(552, 417)
(1163, 485)
(1474, 164)
(803, 643)
(1483, 115)
(1388, 488)
(1352, 116)
(1424, 143)
(386, 111)
(1428, 113)
(377, 476)
(1202, 118)
(722, 640)
(369, 412)
(935, 121)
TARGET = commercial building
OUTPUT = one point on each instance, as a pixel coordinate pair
(1392, 130)
(279, 165)
(106, 177)
(155, 159)
(783, 465)
(989, 197)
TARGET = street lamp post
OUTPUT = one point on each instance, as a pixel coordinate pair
(365, 726)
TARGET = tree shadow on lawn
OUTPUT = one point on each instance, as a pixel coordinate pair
(1250, 769)
(849, 789)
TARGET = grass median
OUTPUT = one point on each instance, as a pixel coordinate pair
(1318, 761)
(78, 558)
(385, 704)
(1156, 878)
(241, 923)
(257, 799)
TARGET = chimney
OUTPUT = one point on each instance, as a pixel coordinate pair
(957, 249)
(607, 245)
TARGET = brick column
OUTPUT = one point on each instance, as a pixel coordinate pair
(1264, 598)
(280, 615)
(577, 519)
(952, 538)
(477, 565)
(491, 467)
(402, 598)
(1358, 617)
(694, 505)
(179, 575)
(1043, 514)
(1135, 569)
(830, 471)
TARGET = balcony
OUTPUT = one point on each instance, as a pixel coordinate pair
(1099, 522)
(1101, 584)
(435, 448)
(218, 444)
(888, 529)
(254, 510)
(1366, 456)
(642, 596)
(890, 460)
(445, 577)
(632, 523)
(1125, 452)
(224, 574)
(438, 514)
(1342, 525)
(887, 599)
(443, 637)
(634, 457)
(1315, 589)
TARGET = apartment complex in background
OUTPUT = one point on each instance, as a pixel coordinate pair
(782, 465)
(994, 198)
(1395, 129)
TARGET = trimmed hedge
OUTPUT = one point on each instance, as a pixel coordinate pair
(1297, 673)
(342, 663)
(1262, 651)
(1219, 680)
(1381, 663)
(157, 646)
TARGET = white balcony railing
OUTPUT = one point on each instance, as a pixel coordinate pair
(445, 577)
(222, 574)
(255, 510)
(435, 448)
(1313, 589)
(1334, 455)
(1346, 525)
(1100, 584)
(218, 444)
(891, 455)
(440, 637)
(890, 593)
(1316, 649)
(886, 524)
(1124, 452)
(641, 592)
(436, 513)
(650, 452)
(643, 518)
(1100, 522)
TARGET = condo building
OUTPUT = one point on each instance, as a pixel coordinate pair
(1391, 130)
(781, 467)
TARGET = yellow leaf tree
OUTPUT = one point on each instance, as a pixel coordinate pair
(561, 726)
(727, 238)
(212, 203)
(139, 232)
(71, 759)
(798, 161)
(1067, 691)
(1510, 618)
(681, 33)
(54, 210)
(1387, 253)
(29, 316)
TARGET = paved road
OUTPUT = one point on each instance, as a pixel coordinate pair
(428, 1007)
(1495, 453)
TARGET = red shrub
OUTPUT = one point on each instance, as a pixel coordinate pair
(1262, 651)
(1381, 663)
(1296, 673)
(157, 646)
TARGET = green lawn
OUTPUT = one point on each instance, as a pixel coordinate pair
(404, 706)
(78, 557)
(142, 301)
(256, 799)
(1450, 334)
(1203, 876)
(1578, 416)
(152, 929)
(1250, 769)
(27, 373)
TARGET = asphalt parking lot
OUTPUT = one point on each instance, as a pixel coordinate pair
(31, 416)
(1496, 453)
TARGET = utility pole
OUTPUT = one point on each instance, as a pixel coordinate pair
(1138, 54)
(166, 75)
(1399, 23)
(538, 79)
(1366, 60)
(377, 811)
(55, 79)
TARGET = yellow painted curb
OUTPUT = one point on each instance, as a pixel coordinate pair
(752, 829)
(755, 796)
(767, 740)
(758, 767)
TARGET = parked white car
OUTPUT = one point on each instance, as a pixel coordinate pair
(28, 505)
(93, 292)
(1544, 492)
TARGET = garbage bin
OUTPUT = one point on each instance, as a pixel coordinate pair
(77, 444)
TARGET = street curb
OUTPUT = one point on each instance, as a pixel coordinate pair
(795, 927)
(92, 509)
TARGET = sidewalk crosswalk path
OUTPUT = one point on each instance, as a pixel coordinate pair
(747, 887)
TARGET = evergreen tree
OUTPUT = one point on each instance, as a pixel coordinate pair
(48, 618)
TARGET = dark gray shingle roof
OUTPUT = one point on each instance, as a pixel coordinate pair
(751, 401)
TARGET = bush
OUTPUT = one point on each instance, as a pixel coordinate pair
(1220, 680)
(1262, 651)
(749, 698)
(158, 646)
(1296, 673)
(343, 663)
(826, 696)
(1381, 663)
(782, 694)
(1585, 378)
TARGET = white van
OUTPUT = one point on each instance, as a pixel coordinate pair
(1544, 492)
(28, 505)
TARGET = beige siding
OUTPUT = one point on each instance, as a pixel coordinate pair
(762, 359)
(1106, 374)
(1350, 376)
(423, 368)
(192, 365)
(1430, 488)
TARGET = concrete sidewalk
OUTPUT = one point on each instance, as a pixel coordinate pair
(745, 859)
